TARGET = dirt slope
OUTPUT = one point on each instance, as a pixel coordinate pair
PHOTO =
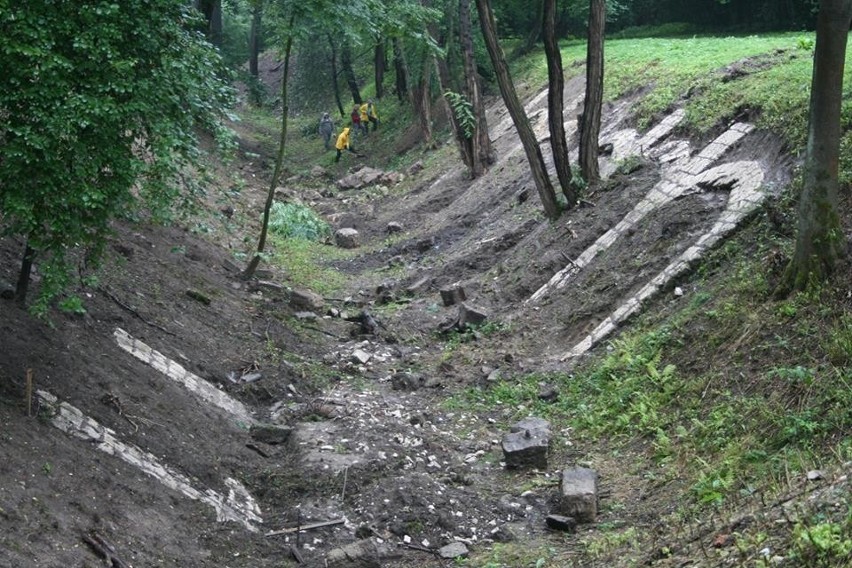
(373, 444)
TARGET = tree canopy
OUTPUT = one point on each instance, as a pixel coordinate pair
(99, 103)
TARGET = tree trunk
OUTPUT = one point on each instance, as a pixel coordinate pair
(254, 37)
(820, 241)
(401, 67)
(555, 103)
(481, 151)
(422, 100)
(379, 63)
(279, 160)
(212, 12)
(516, 110)
(535, 31)
(24, 276)
(335, 85)
(349, 72)
(591, 126)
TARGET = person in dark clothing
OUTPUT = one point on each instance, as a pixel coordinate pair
(356, 120)
(326, 130)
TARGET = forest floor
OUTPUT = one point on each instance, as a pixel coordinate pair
(379, 429)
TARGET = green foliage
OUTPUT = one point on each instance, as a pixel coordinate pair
(99, 102)
(463, 111)
(825, 543)
(72, 305)
(296, 221)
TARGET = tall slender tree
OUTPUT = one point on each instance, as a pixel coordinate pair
(590, 126)
(555, 103)
(516, 110)
(820, 241)
(481, 151)
(254, 35)
(379, 66)
(349, 72)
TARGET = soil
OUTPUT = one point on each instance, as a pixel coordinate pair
(375, 443)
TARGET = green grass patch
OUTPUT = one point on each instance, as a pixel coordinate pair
(306, 264)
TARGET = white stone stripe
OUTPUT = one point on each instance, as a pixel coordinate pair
(175, 371)
(238, 506)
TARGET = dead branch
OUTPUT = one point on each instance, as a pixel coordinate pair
(302, 528)
(121, 304)
(100, 545)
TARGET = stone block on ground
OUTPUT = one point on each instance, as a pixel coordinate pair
(347, 238)
(359, 554)
(526, 449)
(453, 550)
(271, 434)
(561, 523)
(530, 423)
(305, 300)
(393, 227)
(579, 494)
(470, 315)
(452, 295)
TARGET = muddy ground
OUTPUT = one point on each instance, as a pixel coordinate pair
(374, 443)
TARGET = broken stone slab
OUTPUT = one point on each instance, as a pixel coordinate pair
(452, 295)
(418, 287)
(360, 179)
(406, 381)
(526, 449)
(306, 316)
(347, 238)
(305, 300)
(453, 550)
(579, 494)
(359, 554)
(561, 523)
(394, 227)
(271, 434)
(361, 357)
(469, 315)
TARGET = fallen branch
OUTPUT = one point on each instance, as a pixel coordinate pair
(100, 545)
(306, 527)
(121, 304)
(328, 333)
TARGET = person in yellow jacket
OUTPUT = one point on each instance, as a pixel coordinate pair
(343, 143)
(369, 115)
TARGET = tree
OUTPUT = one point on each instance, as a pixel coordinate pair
(519, 117)
(379, 64)
(820, 241)
(481, 152)
(555, 104)
(590, 127)
(254, 35)
(349, 72)
(212, 12)
(99, 104)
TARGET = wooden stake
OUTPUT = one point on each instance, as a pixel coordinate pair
(29, 392)
(306, 527)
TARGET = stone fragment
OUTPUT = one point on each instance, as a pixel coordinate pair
(360, 357)
(305, 316)
(548, 393)
(530, 423)
(526, 449)
(579, 494)
(406, 381)
(452, 295)
(305, 300)
(347, 238)
(416, 167)
(561, 523)
(359, 554)
(271, 434)
(469, 315)
(453, 550)
(393, 227)
(418, 287)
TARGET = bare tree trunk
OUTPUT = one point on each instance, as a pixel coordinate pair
(820, 241)
(254, 37)
(349, 72)
(279, 160)
(23, 284)
(591, 126)
(555, 103)
(483, 153)
(335, 85)
(401, 67)
(379, 63)
(516, 110)
(535, 31)
(212, 12)
(422, 99)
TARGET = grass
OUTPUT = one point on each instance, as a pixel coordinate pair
(690, 71)
(306, 264)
